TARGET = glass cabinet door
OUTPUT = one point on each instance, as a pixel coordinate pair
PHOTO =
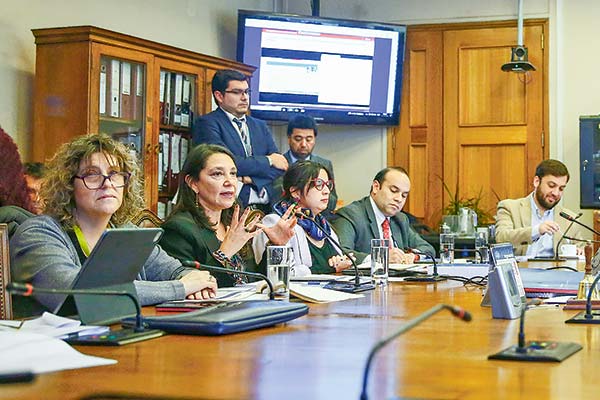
(122, 100)
(178, 102)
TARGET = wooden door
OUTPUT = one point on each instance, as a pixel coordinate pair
(494, 121)
(416, 144)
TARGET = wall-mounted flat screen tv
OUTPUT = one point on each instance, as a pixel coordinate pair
(337, 71)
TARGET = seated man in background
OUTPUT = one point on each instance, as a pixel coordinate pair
(34, 172)
(302, 138)
(532, 224)
(380, 215)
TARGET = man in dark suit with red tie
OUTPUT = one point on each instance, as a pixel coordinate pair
(380, 215)
(256, 156)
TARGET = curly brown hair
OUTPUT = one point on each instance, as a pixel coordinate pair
(13, 186)
(57, 187)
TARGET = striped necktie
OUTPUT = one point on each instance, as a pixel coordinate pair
(245, 139)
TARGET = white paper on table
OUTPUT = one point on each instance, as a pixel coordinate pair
(40, 353)
(317, 294)
(53, 325)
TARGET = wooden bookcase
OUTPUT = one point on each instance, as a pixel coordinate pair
(77, 92)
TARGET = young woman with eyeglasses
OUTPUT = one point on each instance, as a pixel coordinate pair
(207, 224)
(306, 186)
(92, 184)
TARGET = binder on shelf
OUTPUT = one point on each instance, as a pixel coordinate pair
(174, 162)
(167, 99)
(161, 95)
(163, 141)
(185, 102)
(138, 81)
(115, 67)
(126, 102)
(184, 150)
(103, 83)
(178, 99)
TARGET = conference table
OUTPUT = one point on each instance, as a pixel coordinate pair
(322, 356)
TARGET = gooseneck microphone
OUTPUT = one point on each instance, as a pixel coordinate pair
(574, 219)
(121, 336)
(341, 286)
(588, 316)
(521, 347)
(581, 240)
(435, 277)
(543, 350)
(456, 311)
(257, 275)
(564, 235)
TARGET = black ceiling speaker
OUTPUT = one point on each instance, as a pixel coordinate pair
(518, 58)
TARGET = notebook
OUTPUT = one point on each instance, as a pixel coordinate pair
(113, 264)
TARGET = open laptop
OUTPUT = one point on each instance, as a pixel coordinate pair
(113, 264)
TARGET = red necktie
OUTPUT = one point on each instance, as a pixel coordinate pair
(385, 227)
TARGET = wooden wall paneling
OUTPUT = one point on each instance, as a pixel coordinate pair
(490, 115)
(60, 104)
(416, 144)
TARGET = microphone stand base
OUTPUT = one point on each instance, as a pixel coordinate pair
(118, 337)
(581, 319)
(350, 287)
(539, 351)
(425, 278)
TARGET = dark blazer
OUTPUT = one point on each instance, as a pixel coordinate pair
(13, 216)
(278, 184)
(356, 225)
(184, 239)
(216, 128)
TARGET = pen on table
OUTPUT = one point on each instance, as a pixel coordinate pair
(16, 376)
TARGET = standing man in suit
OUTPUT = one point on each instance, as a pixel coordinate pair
(380, 215)
(256, 156)
(302, 136)
(532, 224)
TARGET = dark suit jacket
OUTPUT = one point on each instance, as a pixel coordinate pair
(216, 128)
(278, 184)
(184, 239)
(356, 225)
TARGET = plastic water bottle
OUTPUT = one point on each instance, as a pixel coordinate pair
(481, 246)
(446, 245)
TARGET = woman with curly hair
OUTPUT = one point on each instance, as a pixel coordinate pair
(13, 186)
(92, 183)
(206, 225)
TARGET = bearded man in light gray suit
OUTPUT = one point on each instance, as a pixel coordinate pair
(532, 224)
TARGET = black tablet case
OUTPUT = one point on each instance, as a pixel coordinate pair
(113, 264)
(226, 318)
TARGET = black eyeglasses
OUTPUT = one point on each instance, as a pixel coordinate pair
(96, 181)
(239, 92)
(319, 184)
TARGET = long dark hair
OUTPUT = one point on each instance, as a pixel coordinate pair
(299, 175)
(186, 200)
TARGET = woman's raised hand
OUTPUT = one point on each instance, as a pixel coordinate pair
(281, 233)
(238, 233)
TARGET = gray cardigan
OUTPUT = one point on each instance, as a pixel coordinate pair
(42, 253)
